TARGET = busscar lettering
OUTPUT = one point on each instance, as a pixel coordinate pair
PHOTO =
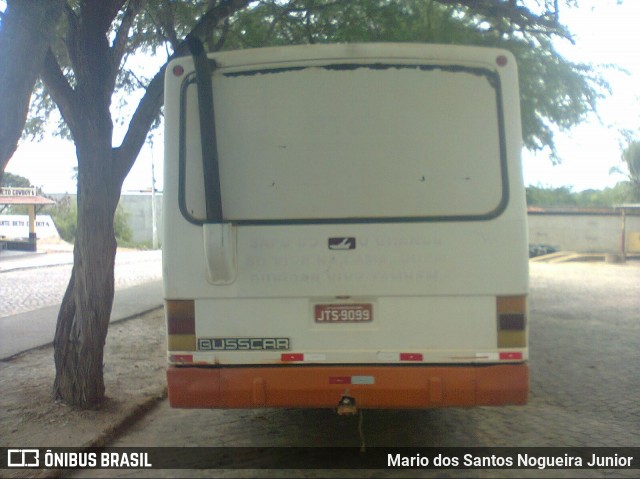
(243, 344)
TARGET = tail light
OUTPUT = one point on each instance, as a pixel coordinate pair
(181, 325)
(512, 321)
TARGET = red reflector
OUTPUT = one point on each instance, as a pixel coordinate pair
(510, 355)
(292, 357)
(340, 380)
(410, 357)
(182, 358)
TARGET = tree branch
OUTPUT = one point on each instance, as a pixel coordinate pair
(63, 95)
(27, 30)
(119, 46)
(141, 84)
(72, 36)
(517, 15)
(147, 111)
(166, 24)
(98, 67)
(149, 107)
(212, 18)
(223, 37)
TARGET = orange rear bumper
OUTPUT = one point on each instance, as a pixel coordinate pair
(373, 387)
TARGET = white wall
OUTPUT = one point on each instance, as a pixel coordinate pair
(17, 226)
(582, 232)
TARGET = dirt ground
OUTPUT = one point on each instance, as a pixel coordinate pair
(134, 370)
(134, 373)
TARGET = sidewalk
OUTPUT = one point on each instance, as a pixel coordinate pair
(135, 381)
(51, 252)
(15, 260)
(33, 329)
(137, 292)
(134, 361)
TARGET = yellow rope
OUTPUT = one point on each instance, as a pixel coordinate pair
(363, 447)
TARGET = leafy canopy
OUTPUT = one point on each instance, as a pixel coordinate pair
(555, 92)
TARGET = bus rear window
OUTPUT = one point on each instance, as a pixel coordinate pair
(350, 142)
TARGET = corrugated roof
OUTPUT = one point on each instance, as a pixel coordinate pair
(22, 196)
(25, 200)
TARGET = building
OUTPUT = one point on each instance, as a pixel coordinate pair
(16, 237)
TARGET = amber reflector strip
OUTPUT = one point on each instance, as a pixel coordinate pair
(181, 316)
(511, 304)
(181, 342)
(512, 321)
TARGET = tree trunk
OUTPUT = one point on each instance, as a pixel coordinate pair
(27, 30)
(85, 312)
(84, 315)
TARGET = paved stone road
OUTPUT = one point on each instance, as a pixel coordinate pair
(585, 386)
(23, 290)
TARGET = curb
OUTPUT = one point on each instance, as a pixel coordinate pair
(25, 268)
(135, 414)
(110, 434)
(112, 321)
(575, 257)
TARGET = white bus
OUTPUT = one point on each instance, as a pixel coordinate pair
(350, 231)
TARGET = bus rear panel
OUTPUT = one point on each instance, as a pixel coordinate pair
(372, 243)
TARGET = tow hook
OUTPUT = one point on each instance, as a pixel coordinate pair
(347, 405)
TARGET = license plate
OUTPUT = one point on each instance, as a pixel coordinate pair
(343, 313)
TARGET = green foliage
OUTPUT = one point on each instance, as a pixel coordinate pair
(564, 196)
(17, 181)
(121, 226)
(65, 217)
(631, 157)
(630, 167)
(541, 196)
(554, 91)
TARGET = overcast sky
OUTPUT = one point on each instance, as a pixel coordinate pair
(605, 33)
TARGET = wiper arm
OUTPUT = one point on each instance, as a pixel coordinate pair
(208, 141)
